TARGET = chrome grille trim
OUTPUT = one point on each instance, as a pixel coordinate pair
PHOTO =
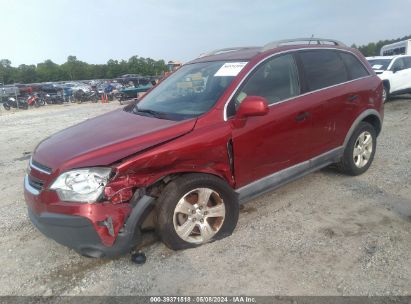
(29, 188)
(39, 167)
(36, 183)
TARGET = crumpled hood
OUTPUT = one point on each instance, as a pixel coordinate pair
(107, 138)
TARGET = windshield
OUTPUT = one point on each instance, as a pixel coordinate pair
(379, 64)
(190, 91)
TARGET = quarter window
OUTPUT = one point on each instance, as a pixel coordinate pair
(354, 66)
(323, 68)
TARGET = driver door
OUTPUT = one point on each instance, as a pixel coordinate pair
(401, 76)
(277, 140)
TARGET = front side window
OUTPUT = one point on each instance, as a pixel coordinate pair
(407, 61)
(275, 80)
(398, 65)
(190, 91)
(354, 66)
(323, 68)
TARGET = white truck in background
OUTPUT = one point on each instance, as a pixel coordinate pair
(398, 48)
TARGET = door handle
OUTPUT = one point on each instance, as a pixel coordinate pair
(352, 97)
(302, 116)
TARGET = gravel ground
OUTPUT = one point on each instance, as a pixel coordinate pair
(325, 234)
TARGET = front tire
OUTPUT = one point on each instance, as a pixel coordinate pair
(40, 102)
(360, 150)
(6, 106)
(385, 92)
(195, 209)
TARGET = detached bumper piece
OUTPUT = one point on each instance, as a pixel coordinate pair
(78, 233)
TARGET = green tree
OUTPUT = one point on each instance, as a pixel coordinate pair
(373, 48)
(6, 71)
(75, 69)
(25, 74)
(49, 71)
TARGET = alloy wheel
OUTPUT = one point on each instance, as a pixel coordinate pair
(363, 149)
(199, 215)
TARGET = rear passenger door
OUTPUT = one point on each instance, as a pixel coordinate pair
(334, 100)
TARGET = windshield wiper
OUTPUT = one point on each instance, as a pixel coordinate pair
(153, 113)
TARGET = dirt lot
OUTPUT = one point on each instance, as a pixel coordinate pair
(325, 234)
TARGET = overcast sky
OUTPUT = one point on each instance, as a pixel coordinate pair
(98, 30)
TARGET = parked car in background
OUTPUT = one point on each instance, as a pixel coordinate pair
(131, 92)
(181, 161)
(51, 88)
(8, 90)
(394, 71)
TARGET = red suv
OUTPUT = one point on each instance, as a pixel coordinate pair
(223, 129)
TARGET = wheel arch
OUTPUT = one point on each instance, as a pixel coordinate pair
(386, 83)
(164, 180)
(154, 190)
(375, 122)
(371, 116)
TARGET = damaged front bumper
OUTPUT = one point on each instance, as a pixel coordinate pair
(79, 232)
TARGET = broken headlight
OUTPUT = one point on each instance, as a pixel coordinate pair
(81, 185)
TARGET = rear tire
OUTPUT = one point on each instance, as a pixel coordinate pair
(360, 150)
(195, 209)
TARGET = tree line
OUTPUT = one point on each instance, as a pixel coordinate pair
(74, 69)
(373, 48)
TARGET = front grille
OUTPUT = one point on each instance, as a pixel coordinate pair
(36, 183)
(40, 167)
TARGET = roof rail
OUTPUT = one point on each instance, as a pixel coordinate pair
(296, 41)
(225, 50)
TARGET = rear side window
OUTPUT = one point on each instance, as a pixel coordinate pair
(323, 68)
(354, 66)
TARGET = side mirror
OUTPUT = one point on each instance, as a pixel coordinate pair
(252, 106)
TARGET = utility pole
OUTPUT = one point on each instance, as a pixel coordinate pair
(3, 91)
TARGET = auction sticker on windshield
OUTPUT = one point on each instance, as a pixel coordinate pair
(230, 69)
